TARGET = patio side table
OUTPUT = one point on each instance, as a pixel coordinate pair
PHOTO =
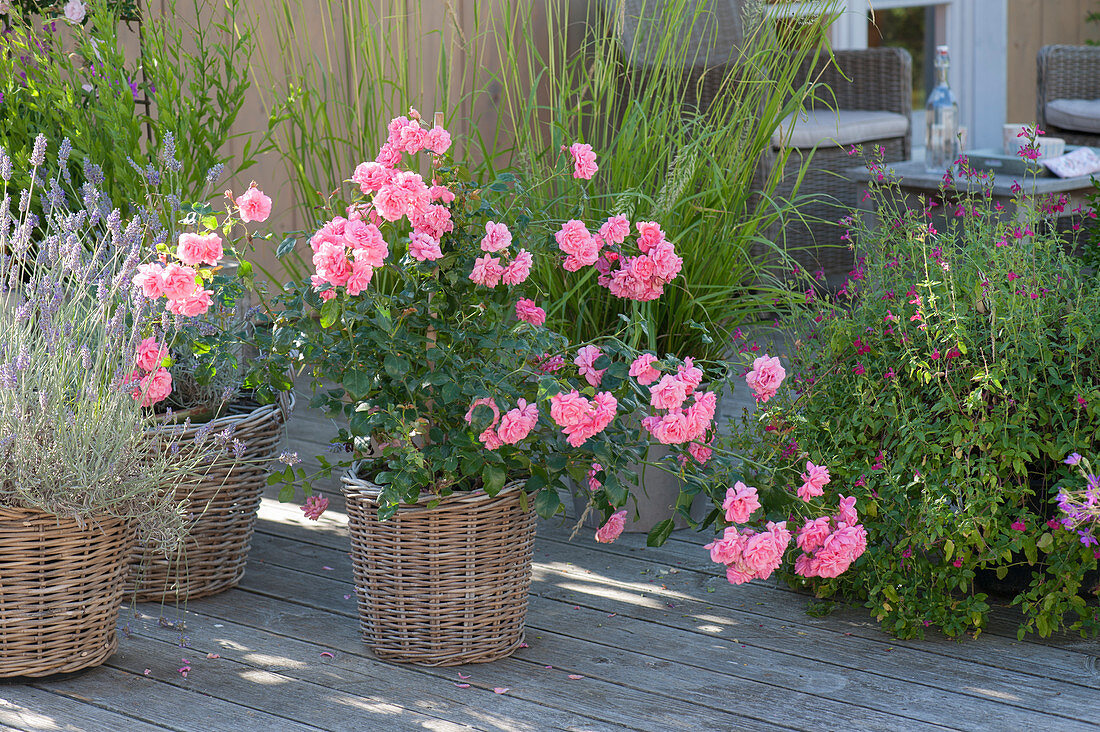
(915, 181)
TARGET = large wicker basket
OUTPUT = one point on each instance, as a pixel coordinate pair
(223, 507)
(442, 586)
(60, 590)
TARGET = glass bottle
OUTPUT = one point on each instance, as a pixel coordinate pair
(941, 120)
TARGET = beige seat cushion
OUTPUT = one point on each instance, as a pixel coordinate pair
(822, 127)
(1074, 114)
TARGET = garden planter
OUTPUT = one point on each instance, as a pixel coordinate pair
(657, 495)
(222, 505)
(61, 584)
(443, 585)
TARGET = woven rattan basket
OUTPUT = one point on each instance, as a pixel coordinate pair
(60, 590)
(223, 505)
(442, 586)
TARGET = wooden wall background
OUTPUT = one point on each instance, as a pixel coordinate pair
(1033, 24)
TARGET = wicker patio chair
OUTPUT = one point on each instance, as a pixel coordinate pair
(870, 105)
(1068, 93)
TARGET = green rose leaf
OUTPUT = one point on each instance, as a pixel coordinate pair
(659, 534)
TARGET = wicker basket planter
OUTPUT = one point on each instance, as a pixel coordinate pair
(223, 503)
(61, 584)
(442, 586)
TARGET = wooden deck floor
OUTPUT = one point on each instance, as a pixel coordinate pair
(620, 637)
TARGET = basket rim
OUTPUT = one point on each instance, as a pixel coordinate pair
(357, 488)
(285, 405)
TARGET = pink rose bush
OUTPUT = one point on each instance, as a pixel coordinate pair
(190, 281)
(751, 545)
(421, 309)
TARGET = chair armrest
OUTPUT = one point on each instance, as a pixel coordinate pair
(1066, 72)
(868, 79)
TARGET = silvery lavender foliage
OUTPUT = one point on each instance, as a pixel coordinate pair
(74, 438)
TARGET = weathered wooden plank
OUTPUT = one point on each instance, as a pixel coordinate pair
(247, 684)
(612, 703)
(677, 677)
(24, 707)
(152, 699)
(869, 670)
(378, 682)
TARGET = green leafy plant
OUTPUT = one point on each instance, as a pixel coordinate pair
(75, 81)
(943, 388)
(444, 370)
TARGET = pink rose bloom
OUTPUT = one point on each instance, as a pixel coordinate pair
(424, 248)
(490, 439)
(150, 278)
(669, 393)
(610, 531)
(371, 176)
(486, 402)
(437, 139)
(441, 193)
(673, 429)
(814, 481)
(642, 369)
(739, 574)
(518, 423)
(189, 307)
(841, 548)
(403, 195)
(615, 230)
(690, 375)
(568, 410)
(804, 566)
(325, 295)
(435, 221)
(150, 354)
(487, 271)
(812, 535)
(762, 554)
(331, 232)
(196, 248)
(700, 414)
(649, 235)
(766, 376)
(585, 359)
(584, 160)
(847, 513)
(366, 237)
(528, 312)
(254, 205)
(727, 550)
(519, 270)
(388, 155)
(573, 237)
(360, 277)
(605, 405)
(331, 263)
(179, 282)
(666, 263)
(549, 364)
(741, 501)
(153, 387)
(593, 484)
(700, 452)
(496, 237)
(315, 506)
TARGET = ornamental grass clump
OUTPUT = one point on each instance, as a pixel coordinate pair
(942, 390)
(75, 369)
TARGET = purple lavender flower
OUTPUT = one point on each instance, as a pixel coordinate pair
(38, 154)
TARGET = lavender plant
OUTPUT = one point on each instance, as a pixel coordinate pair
(74, 436)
